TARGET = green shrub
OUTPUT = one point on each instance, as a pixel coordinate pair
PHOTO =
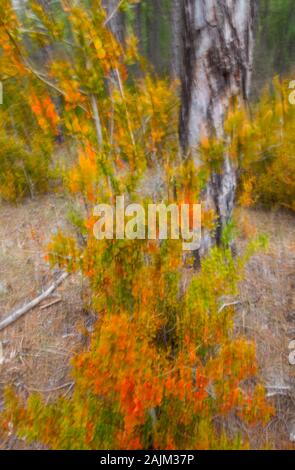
(23, 171)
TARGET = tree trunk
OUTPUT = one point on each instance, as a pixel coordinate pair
(115, 18)
(138, 25)
(217, 62)
(175, 38)
(154, 16)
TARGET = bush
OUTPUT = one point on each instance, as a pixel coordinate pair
(164, 369)
(268, 152)
(22, 172)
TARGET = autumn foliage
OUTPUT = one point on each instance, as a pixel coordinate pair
(164, 368)
(268, 169)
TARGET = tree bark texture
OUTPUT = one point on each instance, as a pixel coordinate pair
(217, 38)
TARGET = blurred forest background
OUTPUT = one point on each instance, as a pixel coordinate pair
(92, 98)
(157, 24)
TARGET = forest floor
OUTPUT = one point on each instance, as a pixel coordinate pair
(35, 350)
(267, 312)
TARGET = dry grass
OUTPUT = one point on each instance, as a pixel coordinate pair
(37, 347)
(267, 314)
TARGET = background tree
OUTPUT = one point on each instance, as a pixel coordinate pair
(116, 18)
(176, 50)
(275, 41)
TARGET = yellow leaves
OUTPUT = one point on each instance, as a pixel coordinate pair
(74, 183)
(82, 177)
(96, 39)
(8, 18)
(279, 108)
(266, 153)
(208, 218)
(212, 152)
(10, 59)
(79, 19)
(101, 53)
(131, 52)
(77, 126)
(63, 72)
(87, 166)
(237, 116)
(72, 93)
(51, 23)
(255, 408)
(268, 116)
(157, 135)
(63, 251)
(246, 198)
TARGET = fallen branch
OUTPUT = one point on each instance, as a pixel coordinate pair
(275, 390)
(231, 304)
(12, 317)
(49, 390)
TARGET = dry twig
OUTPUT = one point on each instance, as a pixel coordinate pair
(12, 317)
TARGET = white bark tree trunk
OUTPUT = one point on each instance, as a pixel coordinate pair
(217, 54)
(115, 18)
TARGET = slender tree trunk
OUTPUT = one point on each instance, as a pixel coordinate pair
(116, 18)
(175, 38)
(138, 25)
(217, 62)
(155, 12)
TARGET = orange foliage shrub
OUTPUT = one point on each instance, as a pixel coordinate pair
(268, 151)
(163, 368)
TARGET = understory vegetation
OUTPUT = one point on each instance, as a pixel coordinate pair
(164, 367)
